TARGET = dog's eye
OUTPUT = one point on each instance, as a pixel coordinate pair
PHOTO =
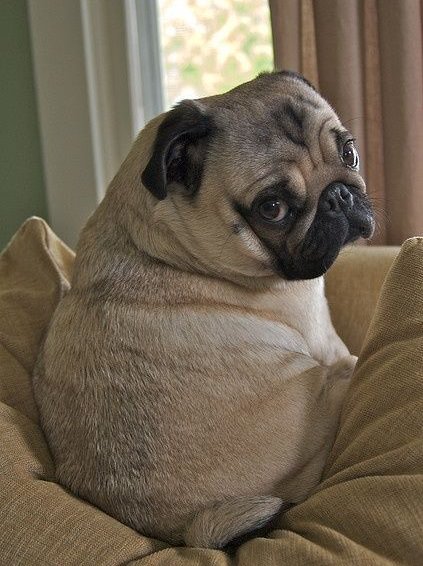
(350, 155)
(272, 210)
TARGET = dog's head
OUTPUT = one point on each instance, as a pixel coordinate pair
(261, 180)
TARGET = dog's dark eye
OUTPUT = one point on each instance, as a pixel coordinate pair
(272, 210)
(350, 155)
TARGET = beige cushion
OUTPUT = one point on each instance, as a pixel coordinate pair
(369, 507)
(353, 285)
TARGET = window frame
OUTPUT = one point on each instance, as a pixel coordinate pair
(90, 98)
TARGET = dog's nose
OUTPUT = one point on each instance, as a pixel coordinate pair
(338, 201)
(336, 198)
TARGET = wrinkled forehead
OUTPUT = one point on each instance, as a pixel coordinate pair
(270, 108)
(282, 122)
(281, 125)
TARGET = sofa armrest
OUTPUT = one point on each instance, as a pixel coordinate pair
(353, 284)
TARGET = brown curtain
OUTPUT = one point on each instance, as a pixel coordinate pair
(366, 57)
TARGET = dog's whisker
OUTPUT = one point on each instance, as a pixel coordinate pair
(353, 119)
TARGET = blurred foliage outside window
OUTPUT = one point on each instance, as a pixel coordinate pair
(211, 46)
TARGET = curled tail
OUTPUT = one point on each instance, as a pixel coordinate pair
(222, 522)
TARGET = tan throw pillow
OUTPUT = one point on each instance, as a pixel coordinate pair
(34, 272)
(352, 287)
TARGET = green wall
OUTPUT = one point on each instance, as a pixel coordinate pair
(22, 191)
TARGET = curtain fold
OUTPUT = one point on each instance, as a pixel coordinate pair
(366, 58)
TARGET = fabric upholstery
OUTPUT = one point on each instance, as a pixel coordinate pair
(368, 508)
(353, 285)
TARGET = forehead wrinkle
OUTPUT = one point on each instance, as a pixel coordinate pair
(249, 188)
(288, 179)
(271, 171)
(289, 114)
(319, 138)
(298, 180)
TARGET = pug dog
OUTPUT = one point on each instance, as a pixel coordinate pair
(191, 381)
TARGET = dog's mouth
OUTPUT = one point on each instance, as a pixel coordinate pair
(344, 214)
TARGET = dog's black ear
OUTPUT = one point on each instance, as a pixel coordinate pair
(179, 150)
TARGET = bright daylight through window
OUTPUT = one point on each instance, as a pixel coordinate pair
(208, 47)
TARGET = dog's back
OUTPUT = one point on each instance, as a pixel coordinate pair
(158, 405)
(191, 380)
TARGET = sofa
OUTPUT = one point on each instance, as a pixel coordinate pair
(368, 507)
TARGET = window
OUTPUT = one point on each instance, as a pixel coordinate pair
(208, 47)
(193, 48)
